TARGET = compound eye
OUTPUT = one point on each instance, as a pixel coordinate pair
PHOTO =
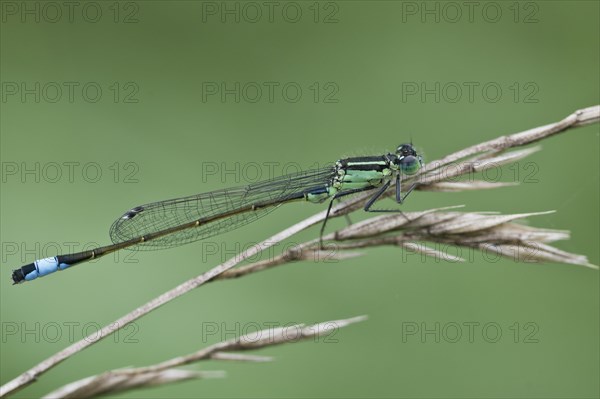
(410, 165)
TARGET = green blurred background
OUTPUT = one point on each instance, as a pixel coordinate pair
(155, 130)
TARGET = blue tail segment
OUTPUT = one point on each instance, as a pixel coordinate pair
(39, 268)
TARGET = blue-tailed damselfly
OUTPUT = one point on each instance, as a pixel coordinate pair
(170, 223)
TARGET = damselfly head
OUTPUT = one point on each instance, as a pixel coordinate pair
(406, 150)
(408, 160)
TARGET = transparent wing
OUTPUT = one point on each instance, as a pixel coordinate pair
(158, 216)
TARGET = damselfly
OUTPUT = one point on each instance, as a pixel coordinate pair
(178, 221)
